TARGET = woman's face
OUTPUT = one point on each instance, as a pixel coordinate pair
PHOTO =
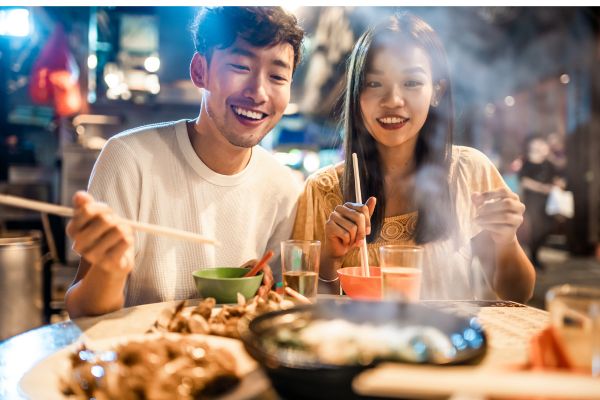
(397, 94)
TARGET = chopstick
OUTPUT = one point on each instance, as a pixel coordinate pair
(364, 254)
(260, 265)
(300, 297)
(63, 211)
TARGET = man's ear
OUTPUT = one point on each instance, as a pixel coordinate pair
(438, 92)
(199, 70)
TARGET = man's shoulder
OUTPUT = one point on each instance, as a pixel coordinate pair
(145, 132)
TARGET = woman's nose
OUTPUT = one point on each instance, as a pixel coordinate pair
(393, 98)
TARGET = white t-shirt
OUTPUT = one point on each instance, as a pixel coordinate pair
(152, 174)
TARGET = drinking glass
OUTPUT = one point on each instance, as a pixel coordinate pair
(401, 270)
(300, 265)
(575, 316)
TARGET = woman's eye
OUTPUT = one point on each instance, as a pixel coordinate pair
(413, 84)
(373, 84)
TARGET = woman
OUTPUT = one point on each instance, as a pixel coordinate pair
(398, 118)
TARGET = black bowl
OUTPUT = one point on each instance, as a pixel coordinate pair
(296, 375)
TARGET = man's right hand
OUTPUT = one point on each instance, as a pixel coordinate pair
(347, 226)
(98, 238)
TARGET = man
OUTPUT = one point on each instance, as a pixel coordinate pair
(206, 175)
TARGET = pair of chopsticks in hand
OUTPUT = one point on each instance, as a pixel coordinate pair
(62, 211)
(261, 264)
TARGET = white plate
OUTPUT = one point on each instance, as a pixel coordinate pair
(42, 381)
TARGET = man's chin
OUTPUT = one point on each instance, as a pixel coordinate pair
(245, 142)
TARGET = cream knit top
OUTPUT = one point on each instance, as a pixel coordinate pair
(448, 270)
(152, 174)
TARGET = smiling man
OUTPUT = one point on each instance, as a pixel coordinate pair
(205, 175)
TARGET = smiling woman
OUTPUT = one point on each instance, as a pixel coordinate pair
(398, 118)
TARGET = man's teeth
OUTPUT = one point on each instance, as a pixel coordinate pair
(391, 120)
(248, 113)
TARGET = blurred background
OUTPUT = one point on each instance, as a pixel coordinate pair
(71, 77)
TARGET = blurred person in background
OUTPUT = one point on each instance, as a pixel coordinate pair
(537, 177)
(205, 175)
(398, 119)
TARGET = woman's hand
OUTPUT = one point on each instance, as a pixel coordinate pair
(501, 213)
(347, 225)
(99, 238)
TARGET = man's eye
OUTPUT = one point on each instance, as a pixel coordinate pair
(240, 67)
(279, 78)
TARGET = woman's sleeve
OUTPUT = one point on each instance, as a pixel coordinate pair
(311, 215)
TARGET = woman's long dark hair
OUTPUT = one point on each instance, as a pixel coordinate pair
(434, 143)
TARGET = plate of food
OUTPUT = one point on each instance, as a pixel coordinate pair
(155, 365)
(220, 320)
(325, 345)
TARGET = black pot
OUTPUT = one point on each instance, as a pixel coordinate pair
(294, 375)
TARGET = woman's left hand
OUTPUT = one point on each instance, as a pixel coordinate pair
(501, 213)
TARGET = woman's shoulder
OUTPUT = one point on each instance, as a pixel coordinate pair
(469, 161)
(327, 179)
(468, 156)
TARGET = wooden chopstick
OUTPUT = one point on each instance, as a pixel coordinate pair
(63, 211)
(364, 252)
(260, 265)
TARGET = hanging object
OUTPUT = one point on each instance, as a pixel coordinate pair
(55, 76)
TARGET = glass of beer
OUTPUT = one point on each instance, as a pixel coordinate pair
(575, 315)
(401, 269)
(300, 265)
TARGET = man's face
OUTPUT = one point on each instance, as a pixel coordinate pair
(247, 90)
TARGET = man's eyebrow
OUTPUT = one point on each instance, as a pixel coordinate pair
(248, 53)
(243, 52)
(280, 63)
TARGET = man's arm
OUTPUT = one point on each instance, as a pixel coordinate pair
(107, 258)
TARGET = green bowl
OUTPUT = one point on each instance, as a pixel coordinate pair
(224, 283)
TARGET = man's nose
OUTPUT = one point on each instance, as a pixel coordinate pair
(256, 90)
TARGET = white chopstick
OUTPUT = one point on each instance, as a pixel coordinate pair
(138, 226)
(364, 254)
(298, 296)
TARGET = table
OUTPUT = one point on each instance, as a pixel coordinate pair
(509, 326)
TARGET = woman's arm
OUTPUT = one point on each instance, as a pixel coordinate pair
(500, 213)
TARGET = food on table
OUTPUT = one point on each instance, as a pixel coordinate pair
(341, 342)
(200, 319)
(168, 367)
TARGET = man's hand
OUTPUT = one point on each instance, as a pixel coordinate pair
(99, 238)
(267, 282)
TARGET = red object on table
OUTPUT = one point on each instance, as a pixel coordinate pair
(260, 265)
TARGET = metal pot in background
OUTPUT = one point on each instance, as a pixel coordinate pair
(20, 282)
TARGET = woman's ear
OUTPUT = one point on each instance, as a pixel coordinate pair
(199, 70)
(438, 92)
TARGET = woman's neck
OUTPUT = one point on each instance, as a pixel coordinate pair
(398, 167)
(398, 162)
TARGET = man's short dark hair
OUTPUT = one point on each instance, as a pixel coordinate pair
(219, 27)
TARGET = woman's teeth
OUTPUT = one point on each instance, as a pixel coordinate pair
(391, 120)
